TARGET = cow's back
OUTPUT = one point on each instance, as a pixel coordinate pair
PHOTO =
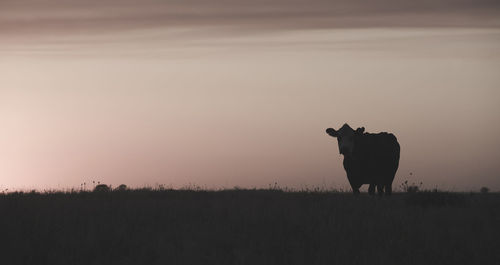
(376, 146)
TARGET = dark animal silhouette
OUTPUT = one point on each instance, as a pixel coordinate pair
(368, 158)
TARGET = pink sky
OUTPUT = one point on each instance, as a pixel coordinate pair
(239, 93)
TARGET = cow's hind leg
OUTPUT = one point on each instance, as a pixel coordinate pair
(388, 189)
(371, 189)
(380, 189)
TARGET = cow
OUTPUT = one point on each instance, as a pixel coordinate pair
(368, 158)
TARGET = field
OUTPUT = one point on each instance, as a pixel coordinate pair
(248, 227)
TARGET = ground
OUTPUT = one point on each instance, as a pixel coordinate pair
(248, 227)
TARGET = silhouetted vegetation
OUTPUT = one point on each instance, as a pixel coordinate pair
(147, 226)
(102, 188)
(410, 188)
(122, 187)
(484, 190)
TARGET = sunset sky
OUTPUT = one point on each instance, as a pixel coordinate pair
(228, 93)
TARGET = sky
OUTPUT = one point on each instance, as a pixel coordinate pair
(218, 94)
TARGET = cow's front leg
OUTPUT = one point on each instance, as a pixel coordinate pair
(371, 189)
(355, 188)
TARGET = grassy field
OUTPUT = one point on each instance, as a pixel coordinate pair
(248, 227)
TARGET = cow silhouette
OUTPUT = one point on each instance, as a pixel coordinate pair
(368, 158)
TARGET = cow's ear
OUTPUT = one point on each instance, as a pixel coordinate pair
(360, 130)
(332, 132)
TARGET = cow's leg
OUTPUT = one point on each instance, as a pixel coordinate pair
(380, 189)
(388, 189)
(355, 188)
(371, 189)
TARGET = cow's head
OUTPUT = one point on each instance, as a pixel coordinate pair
(345, 137)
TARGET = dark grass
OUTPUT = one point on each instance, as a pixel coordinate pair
(248, 227)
